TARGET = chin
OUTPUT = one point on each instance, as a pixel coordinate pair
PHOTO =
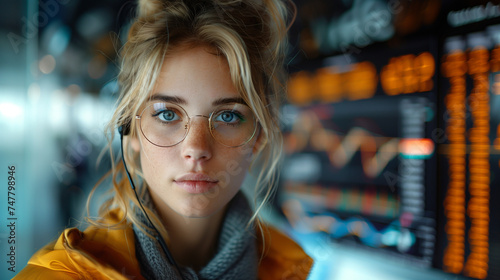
(200, 206)
(206, 204)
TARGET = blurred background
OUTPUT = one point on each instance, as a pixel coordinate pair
(392, 131)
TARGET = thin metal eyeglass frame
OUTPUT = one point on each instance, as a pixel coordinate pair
(188, 125)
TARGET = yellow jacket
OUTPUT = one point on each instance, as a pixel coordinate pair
(99, 253)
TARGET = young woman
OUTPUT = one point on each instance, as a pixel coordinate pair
(201, 83)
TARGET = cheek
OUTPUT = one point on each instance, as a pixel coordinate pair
(229, 165)
(234, 165)
(155, 161)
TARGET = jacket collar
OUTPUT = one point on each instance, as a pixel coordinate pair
(109, 253)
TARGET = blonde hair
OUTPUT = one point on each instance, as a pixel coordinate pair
(250, 34)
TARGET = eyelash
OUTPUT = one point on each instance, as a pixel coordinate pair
(237, 115)
(156, 114)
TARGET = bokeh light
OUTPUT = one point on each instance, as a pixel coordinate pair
(47, 64)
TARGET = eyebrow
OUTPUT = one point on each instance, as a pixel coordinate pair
(168, 98)
(181, 101)
(227, 100)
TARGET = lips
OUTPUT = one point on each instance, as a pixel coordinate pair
(196, 183)
(196, 177)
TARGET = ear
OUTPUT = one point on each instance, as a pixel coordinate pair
(135, 143)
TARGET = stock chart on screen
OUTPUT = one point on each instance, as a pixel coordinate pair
(393, 145)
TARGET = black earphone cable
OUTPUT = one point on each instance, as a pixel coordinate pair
(158, 236)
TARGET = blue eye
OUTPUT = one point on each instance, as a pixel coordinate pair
(230, 117)
(167, 116)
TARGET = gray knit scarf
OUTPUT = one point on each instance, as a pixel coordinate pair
(236, 256)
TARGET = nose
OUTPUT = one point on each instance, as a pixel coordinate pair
(197, 146)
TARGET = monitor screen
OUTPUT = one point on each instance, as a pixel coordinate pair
(393, 145)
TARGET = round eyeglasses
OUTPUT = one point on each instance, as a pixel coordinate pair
(166, 124)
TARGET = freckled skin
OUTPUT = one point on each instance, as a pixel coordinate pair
(199, 77)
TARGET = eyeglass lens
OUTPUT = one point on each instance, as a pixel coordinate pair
(166, 124)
